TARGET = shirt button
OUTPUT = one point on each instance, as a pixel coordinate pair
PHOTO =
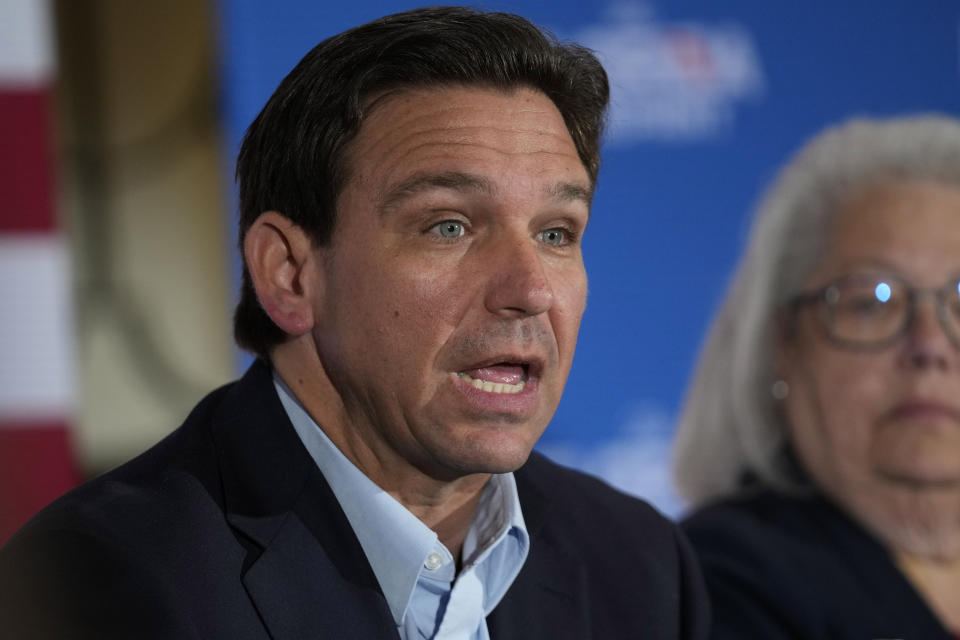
(434, 561)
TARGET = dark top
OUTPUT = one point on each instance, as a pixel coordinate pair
(227, 529)
(782, 567)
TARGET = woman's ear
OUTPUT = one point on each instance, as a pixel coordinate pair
(279, 257)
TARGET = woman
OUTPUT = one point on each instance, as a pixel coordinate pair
(820, 441)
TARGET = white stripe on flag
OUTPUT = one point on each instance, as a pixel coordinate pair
(26, 43)
(36, 329)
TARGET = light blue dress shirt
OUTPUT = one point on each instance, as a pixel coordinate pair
(416, 572)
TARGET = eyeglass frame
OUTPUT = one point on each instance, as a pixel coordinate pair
(914, 294)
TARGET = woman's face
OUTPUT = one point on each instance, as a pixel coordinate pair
(878, 428)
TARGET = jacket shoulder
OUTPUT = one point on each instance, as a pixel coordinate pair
(107, 558)
(142, 493)
(576, 495)
(780, 566)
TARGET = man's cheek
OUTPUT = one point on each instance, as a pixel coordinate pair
(435, 296)
(569, 311)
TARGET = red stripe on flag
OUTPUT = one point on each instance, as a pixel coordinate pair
(26, 161)
(36, 466)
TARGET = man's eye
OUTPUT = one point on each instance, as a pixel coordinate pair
(556, 237)
(449, 229)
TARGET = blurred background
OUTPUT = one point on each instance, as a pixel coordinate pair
(119, 126)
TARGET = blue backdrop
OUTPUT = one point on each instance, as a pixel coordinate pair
(709, 99)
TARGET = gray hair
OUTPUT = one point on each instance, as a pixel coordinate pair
(731, 427)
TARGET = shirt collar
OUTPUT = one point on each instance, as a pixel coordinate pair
(397, 558)
(497, 542)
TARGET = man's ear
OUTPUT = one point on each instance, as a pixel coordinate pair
(279, 256)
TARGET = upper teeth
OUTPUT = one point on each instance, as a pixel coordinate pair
(493, 387)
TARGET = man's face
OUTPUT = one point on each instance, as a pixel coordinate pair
(453, 286)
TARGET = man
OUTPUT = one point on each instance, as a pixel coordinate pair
(412, 201)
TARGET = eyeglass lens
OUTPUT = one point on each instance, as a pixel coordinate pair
(873, 309)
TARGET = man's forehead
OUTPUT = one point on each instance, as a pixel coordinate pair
(444, 127)
(414, 110)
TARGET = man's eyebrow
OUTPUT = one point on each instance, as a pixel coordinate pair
(420, 182)
(571, 191)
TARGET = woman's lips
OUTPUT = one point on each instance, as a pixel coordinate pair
(924, 410)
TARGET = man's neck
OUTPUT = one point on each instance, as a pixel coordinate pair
(445, 505)
(451, 517)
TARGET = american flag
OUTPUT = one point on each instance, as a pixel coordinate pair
(37, 388)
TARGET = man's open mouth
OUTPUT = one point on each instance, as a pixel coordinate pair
(502, 377)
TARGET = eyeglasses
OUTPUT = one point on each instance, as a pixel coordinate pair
(872, 310)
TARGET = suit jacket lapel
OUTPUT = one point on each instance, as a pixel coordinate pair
(305, 571)
(303, 589)
(549, 598)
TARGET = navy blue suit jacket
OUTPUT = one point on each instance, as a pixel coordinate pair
(227, 529)
(784, 568)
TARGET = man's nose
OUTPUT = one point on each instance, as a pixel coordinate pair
(927, 343)
(518, 285)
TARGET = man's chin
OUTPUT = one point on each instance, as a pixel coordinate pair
(477, 462)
